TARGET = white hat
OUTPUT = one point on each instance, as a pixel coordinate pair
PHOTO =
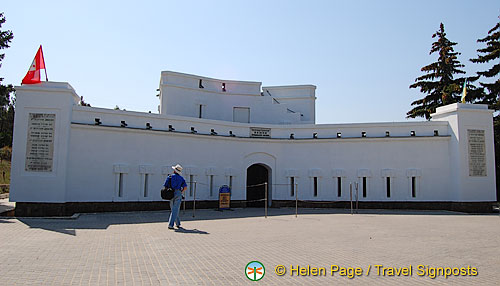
(177, 168)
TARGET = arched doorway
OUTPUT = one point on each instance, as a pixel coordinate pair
(257, 174)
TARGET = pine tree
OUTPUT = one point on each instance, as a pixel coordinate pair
(6, 103)
(491, 96)
(5, 38)
(438, 83)
(491, 53)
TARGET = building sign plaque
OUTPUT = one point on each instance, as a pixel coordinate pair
(260, 132)
(224, 197)
(477, 153)
(40, 143)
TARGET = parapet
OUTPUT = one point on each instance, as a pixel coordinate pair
(291, 91)
(207, 84)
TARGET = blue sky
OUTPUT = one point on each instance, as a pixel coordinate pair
(361, 55)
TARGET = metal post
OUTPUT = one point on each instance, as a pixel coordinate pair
(184, 204)
(350, 193)
(265, 186)
(194, 198)
(296, 199)
(357, 196)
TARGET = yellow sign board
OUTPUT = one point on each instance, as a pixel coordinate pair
(224, 200)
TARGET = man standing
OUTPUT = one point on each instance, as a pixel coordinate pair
(179, 185)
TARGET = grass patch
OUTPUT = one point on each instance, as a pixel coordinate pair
(4, 175)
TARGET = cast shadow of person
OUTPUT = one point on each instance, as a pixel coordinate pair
(194, 231)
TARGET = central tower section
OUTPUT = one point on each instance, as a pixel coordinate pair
(235, 101)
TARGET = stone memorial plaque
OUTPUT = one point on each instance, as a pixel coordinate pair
(477, 153)
(40, 144)
(260, 132)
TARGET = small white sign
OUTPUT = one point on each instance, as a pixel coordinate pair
(260, 132)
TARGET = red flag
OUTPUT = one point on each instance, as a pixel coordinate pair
(33, 75)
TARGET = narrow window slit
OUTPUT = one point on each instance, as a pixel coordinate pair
(339, 186)
(388, 186)
(315, 186)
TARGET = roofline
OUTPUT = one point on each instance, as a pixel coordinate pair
(290, 86)
(261, 125)
(211, 79)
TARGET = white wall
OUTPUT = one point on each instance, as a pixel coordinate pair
(90, 157)
(94, 151)
(299, 98)
(461, 118)
(180, 95)
(50, 98)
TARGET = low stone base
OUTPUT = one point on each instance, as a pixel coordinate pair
(469, 207)
(29, 209)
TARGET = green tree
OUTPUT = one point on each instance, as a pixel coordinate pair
(5, 153)
(6, 102)
(438, 82)
(491, 94)
(488, 54)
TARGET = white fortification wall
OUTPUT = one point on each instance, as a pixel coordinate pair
(111, 164)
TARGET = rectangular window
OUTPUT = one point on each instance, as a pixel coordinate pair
(364, 187)
(120, 185)
(191, 184)
(200, 111)
(231, 183)
(292, 186)
(414, 187)
(388, 186)
(315, 186)
(211, 185)
(339, 186)
(146, 183)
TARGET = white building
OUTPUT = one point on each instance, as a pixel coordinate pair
(69, 158)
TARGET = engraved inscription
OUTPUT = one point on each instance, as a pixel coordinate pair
(477, 153)
(260, 132)
(40, 145)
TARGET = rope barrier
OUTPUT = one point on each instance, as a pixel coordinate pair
(252, 201)
(248, 186)
(318, 202)
(257, 185)
(265, 199)
(197, 183)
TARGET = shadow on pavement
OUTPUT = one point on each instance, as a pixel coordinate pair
(94, 221)
(104, 220)
(194, 231)
(260, 212)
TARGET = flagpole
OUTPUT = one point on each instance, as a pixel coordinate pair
(45, 67)
(464, 92)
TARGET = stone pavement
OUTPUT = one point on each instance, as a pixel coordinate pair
(5, 205)
(214, 248)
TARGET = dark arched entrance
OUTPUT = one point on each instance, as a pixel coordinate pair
(257, 174)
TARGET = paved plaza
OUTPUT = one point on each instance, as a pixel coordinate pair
(215, 247)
